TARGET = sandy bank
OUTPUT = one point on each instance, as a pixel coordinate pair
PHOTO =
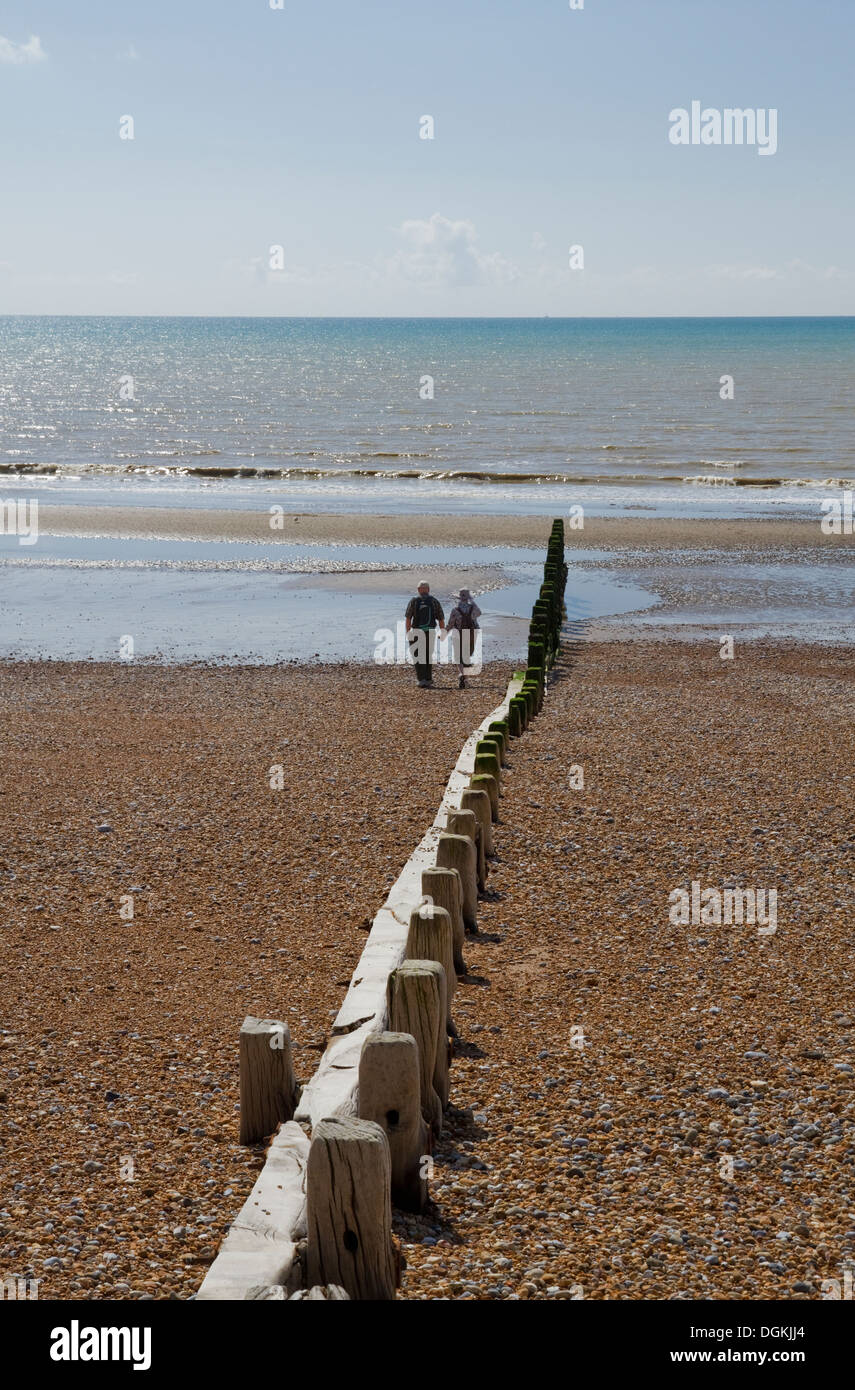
(214, 524)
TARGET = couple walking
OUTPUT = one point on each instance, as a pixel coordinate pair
(424, 614)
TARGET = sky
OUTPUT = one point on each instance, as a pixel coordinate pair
(299, 127)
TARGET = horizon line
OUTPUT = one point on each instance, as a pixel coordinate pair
(439, 318)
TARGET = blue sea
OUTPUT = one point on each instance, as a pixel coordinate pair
(518, 415)
(447, 416)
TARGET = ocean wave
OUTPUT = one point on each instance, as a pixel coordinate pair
(712, 480)
(489, 477)
(822, 482)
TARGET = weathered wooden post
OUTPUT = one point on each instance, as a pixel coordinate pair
(390, 1095)
(529, 694)
(458, 852)
(514, 720)
(492, 743)
(483, 782)
(488, 763)
(443, 887)
(466, 823)
(348, 1209)
(431, 937)
(479, 802)
(534, 676)
(536, 654)
(519, 707)
(499, 729)
(416, 995)
(268, 1090)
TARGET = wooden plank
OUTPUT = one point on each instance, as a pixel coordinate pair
(261, 1244)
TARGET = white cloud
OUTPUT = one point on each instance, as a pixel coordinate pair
(791, 272)
(441, 253)
(29, 52)
(129, 54)
(744, 272)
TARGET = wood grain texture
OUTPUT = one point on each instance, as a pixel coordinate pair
(443, 887)
(431, 937)
(465, 822)
(390, 1096)
(261, 1245)
(261, 1248)
(417, 1006)
(349, 1214)
(458, 852)
(268, 1090)
(479, 802)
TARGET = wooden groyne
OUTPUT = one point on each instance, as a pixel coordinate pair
(317, 1223)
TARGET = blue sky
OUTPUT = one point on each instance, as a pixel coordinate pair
(299, 127)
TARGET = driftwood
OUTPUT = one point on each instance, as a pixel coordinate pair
(458, 852)
(417, 994)
(390, 1095)
(349, 1212)
(443, 887)
(431, 937)
(268, 1091)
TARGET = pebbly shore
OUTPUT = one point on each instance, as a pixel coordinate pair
(643, 1110)
(147, 789)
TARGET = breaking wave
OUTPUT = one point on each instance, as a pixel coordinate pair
(287, 472)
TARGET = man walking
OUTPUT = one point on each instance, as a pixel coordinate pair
(424, 613)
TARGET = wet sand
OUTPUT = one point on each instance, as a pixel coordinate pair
(190, 523)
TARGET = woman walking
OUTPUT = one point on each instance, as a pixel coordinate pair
(463, 623)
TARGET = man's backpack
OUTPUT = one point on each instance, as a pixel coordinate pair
(424, 614)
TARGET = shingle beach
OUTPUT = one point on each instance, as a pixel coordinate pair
(608, 1060)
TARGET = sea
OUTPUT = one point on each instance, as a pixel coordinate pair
(719, 416)
(686, 418)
